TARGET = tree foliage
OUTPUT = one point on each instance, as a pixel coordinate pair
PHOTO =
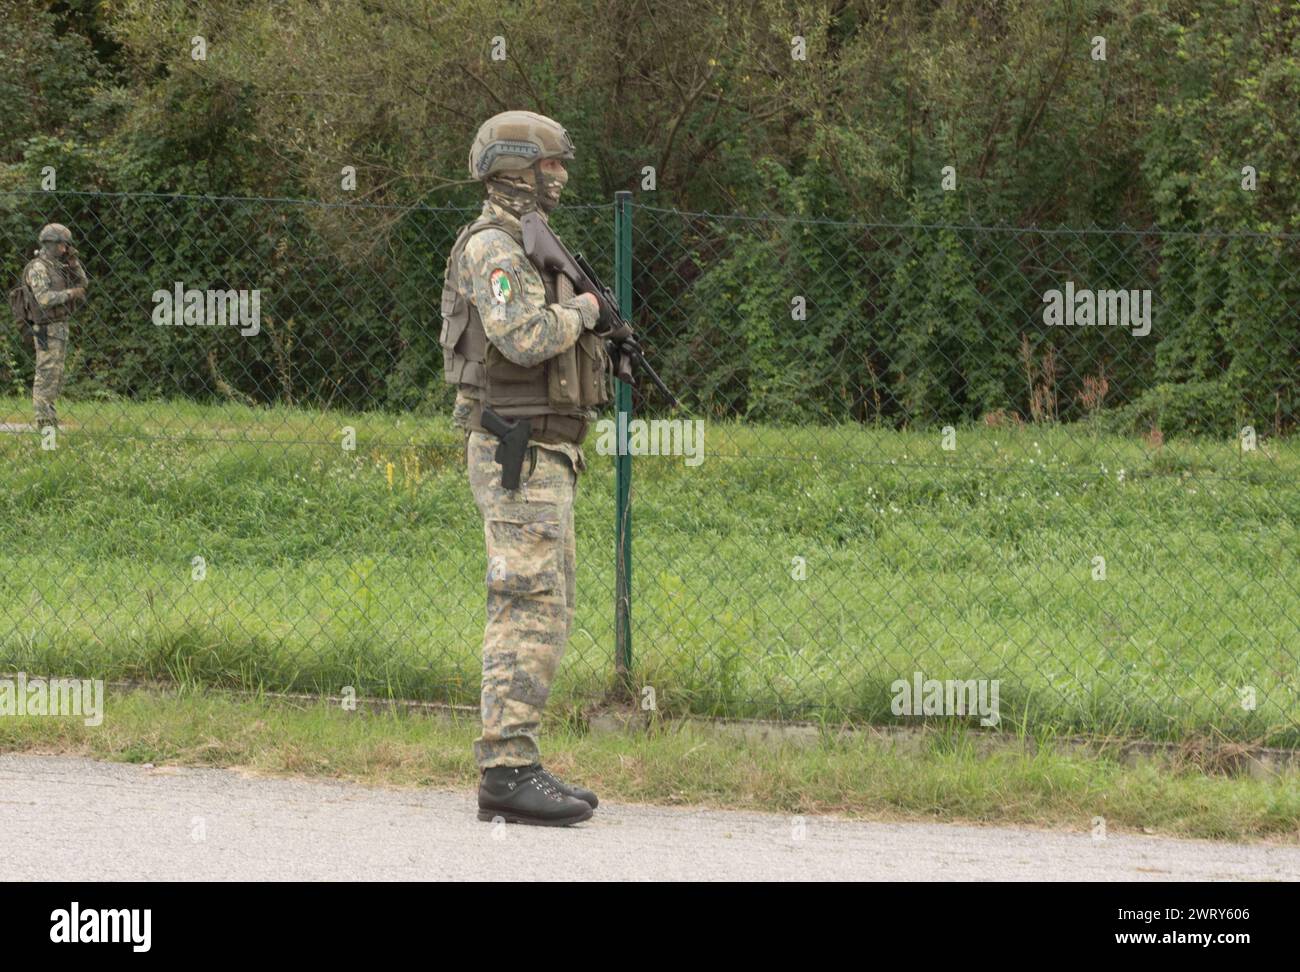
(1037, 129)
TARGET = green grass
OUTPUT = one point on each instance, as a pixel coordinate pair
(945, 780)
(978, 562)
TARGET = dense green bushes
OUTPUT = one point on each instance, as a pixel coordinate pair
(776, 320)
(934, 322)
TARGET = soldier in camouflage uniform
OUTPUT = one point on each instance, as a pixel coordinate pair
(56, 284)
(517, 340)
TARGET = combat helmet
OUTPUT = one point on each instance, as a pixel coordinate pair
(55, 233)
(516, 140)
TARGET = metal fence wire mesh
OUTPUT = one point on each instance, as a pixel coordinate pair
(906, 466)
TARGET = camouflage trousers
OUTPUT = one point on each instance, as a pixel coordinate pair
(48, 380)
(530, 594)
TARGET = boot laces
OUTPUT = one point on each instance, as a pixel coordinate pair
(545, 782)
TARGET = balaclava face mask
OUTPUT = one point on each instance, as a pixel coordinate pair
(516, 192)
(552, 185)
(513, 192)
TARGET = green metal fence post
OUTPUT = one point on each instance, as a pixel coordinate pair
(623, 461)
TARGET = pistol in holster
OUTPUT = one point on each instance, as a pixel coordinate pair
(512, 444)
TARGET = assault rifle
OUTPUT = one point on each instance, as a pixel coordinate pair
(546, 251)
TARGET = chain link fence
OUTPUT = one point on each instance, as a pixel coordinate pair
(1053, 467)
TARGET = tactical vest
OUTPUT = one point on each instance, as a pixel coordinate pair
(555, 394)
(59, 280)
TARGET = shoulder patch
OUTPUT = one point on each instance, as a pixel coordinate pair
(503, 289)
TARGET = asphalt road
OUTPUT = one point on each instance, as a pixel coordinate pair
(76, 819)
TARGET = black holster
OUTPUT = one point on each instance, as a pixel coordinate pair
(512, 444)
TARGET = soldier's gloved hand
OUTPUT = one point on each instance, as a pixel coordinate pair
(77, 293)
(590, 308)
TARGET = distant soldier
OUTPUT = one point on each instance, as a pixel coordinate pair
(522, 348)
(56, 285)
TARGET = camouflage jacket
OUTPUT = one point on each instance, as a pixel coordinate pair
(521, 313)
(49, 283)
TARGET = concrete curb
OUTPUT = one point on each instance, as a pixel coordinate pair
(1235, 759)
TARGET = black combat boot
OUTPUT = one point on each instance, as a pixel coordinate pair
(568, 789)
(519, 794)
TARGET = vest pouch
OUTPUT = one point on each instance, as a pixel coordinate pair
(19, 307)
(512, 386)
(593, 371)
(563, 384)
(455, 318)
(453, 325)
